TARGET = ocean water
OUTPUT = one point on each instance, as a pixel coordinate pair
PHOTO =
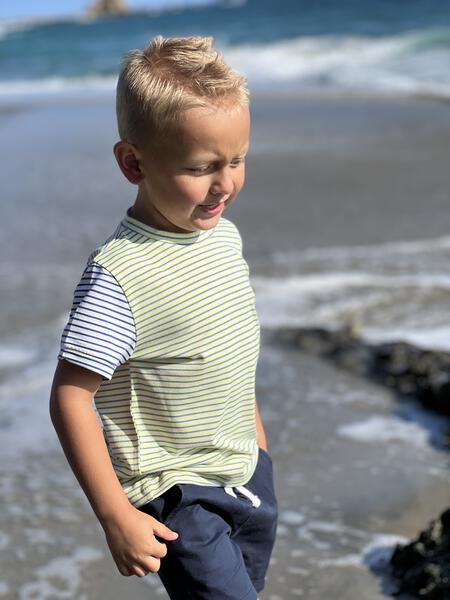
(390, 291)
(377, 47)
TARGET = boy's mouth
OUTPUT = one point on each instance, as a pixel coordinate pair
(214, 204)
(209, 205)
(211, 209)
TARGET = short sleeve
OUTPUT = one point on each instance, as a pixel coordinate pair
(100, 334)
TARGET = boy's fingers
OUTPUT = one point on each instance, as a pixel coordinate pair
(152, 565)
(164, 532)
(139, 571)
(124, 571)
(160, 550)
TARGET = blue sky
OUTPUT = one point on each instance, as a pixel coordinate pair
(30, 9)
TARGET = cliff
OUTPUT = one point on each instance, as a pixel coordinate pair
(102, 8)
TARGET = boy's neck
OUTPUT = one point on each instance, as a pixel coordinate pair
(153, 218)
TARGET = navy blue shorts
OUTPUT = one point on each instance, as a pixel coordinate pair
(225, 537)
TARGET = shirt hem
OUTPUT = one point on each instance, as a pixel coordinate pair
(145, 498)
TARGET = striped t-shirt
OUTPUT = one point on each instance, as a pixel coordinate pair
(169, 321)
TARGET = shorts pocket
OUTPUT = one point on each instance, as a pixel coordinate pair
(266, 454)
(174, 503)
(265, 474)
(164, 507)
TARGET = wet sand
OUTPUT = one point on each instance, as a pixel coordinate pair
(345, 172)
(344, 500)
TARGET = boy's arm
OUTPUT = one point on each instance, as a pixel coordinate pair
(129, 531)
(262, 442)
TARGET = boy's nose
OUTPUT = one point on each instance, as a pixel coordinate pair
(223, 182)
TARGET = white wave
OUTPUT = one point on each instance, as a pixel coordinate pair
(334, 299)
(391, 292)
(363, 251)
(291, 517)
(13, 356)
(349, 560)
(7, 27)
(385, 429)
(55, 85)
(68, 570)
(24, 408)
(389, 65)
(329, 281)
(376, 553)
(326, 535)
(24, 395)
(430, 338)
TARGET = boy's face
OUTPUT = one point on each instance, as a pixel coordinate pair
(200, 163)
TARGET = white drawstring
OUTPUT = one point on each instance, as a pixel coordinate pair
(240, 488)
(229, 490)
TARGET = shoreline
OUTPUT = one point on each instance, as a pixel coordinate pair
(104, 86)
(319, 175)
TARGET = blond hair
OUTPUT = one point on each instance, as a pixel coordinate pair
(170, 75)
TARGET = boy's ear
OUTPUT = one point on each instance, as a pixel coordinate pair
(128, 161)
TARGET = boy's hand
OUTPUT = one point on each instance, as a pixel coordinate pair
(130, 533)
(131, 540)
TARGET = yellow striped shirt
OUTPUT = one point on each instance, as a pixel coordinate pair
(181, 409)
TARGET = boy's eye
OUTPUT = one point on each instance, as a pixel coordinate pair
(205, 168)
(237, 162)
(200, 169)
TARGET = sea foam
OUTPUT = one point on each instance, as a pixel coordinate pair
(379, 428)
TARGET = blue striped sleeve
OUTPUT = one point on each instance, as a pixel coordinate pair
(100, 334)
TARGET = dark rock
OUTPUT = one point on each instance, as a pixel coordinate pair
(411, 371)
(422, 568)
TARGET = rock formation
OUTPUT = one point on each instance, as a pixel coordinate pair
(422, 568)
(106, 8)
(411, 371)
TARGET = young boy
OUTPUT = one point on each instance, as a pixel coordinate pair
(163, 335)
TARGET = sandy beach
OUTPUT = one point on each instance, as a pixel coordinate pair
(321, 173)
(355, 472)
(333, 172)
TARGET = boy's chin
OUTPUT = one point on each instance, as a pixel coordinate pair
(203, 220)
(207, 223)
